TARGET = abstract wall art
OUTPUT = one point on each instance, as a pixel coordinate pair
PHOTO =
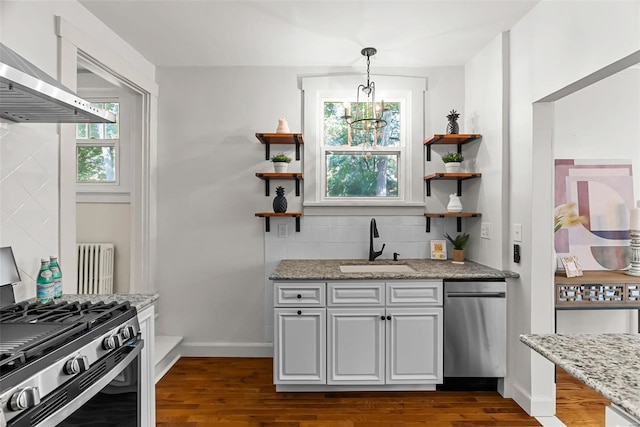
(594, 197)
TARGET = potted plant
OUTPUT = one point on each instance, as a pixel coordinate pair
(452, 162)
(459, 243)
(281, 162)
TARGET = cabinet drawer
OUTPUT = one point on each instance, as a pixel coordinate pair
(299, 294)
(414, 293)
(349, 293)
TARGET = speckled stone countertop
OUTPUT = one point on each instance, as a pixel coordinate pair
(139, 301)
(608, 363)
(329, 269)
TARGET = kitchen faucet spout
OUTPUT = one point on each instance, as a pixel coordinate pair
(373, 233)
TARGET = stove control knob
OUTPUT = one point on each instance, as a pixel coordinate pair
(24, 398)
(111, 342)
(127, 332)
(76, 365)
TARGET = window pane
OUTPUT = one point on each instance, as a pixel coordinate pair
(337, 132)
(362, 175)
(96, 164)
(112, 131)
(81, 131)
(96, 131)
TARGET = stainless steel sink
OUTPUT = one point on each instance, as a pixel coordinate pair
(378, 268)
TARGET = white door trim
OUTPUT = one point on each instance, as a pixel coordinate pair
(74, 42)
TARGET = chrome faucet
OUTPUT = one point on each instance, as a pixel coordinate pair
(373, 233)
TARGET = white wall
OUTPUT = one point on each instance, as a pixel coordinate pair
(108, 223)
(483, 103)
(210, 244)
(554, 45)
(601, 122)
(29, 29)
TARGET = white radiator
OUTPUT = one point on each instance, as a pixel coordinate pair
(95, 268)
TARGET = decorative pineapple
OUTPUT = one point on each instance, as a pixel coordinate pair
(452, 126)
(280, 202)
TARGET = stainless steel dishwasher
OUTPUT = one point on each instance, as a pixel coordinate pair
(475, 329)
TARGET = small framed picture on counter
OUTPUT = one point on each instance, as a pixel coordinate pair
(438, 249)
(571, 266)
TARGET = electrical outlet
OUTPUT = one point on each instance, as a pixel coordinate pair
(282, 231)
(485, 230)
(517, 232)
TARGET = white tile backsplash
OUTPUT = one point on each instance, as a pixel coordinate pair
(29, 202)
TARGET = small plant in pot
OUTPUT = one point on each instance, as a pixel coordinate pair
(281, 162)
(452, 162)
(459, 243)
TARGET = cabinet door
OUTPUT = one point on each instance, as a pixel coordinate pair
(355, 345)
(299, 346)
(414, 345)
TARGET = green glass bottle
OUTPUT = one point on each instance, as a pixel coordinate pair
(44, 282)
(57, 276)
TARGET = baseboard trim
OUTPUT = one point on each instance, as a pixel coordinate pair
(226, 349)
(533, 407)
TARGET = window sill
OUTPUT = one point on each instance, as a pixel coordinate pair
(102, 197)
(362, 208)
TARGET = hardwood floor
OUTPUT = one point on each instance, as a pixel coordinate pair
(237, 392)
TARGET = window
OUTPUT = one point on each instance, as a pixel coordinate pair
(360, 164)
(98, 148)
(345, 168)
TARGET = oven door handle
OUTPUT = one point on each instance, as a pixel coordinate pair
(94, 388)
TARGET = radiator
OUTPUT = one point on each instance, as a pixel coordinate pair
(95, 268)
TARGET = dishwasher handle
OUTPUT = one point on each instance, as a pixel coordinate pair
(476, 295)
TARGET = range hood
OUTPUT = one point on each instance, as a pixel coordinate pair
(29, 95)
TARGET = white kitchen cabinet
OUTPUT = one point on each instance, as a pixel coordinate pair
(355, 345)
(147, 365)
(377, 335)
(414, 348)
(300, 346)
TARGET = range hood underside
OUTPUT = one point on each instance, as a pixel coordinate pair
(28, 95)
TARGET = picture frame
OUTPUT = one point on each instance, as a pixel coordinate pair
(572, 267)
(439, 249)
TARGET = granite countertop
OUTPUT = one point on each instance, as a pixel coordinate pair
(608, 363)
(329, 269)
(139, 301)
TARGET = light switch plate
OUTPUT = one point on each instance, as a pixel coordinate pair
(282, 231)
(517, 232)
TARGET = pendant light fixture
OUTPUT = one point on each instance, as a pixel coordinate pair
(367, 115)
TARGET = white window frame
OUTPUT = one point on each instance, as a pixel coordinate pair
(110, 192)
(410, 91)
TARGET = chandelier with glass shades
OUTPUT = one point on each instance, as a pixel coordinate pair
(367, 115)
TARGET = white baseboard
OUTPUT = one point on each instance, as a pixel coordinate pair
(217, 349)
(533, 407)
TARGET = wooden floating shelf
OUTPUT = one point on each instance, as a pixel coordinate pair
(268, 176)
(459, 176)
(458, 215)
(280, 139)
(452, 139)
(268, 215)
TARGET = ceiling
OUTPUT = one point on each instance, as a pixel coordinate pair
(411, 33)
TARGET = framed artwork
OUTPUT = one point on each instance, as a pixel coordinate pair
(571, 266)
(438, 249)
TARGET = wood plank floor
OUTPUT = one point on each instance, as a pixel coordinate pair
(238, 392)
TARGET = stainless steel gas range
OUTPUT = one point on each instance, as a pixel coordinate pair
(69, 364)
